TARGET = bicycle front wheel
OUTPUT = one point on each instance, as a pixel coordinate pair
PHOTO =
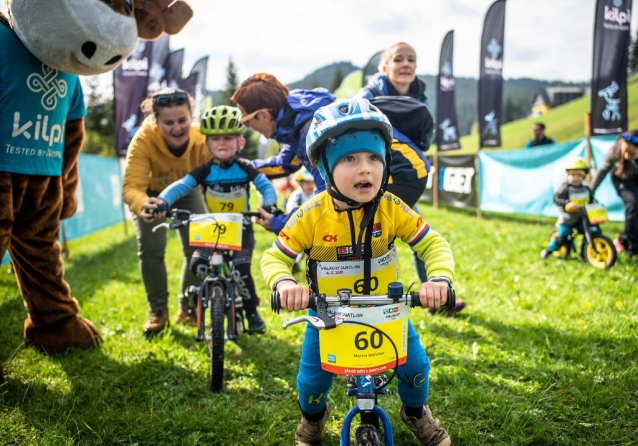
(604, 256)
(216, 345)
(367, 435)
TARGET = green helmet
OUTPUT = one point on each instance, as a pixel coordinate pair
(577, 164)
(221, 120)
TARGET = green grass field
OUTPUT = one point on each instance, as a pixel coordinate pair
(545, 354)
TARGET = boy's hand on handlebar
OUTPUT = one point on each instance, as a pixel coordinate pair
(293, 297)
(433, 294)
(153, 209)
(264, 220)
(572, 208)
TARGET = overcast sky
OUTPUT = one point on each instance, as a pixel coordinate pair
(544, 39)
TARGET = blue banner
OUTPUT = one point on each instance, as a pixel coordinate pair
(524, 181)
(99, 198)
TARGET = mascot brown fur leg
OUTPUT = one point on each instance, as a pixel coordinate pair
(31, 228)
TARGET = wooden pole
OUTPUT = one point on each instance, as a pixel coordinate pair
(588, 153)
(478, 186)
(65, 245)
(435, 180)
(124, 222)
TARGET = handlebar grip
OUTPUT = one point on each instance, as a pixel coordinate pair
(275, 302)
(449, 304)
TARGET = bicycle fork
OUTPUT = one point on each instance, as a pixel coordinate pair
(366, 394)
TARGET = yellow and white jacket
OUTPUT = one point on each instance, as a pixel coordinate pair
(329, 238)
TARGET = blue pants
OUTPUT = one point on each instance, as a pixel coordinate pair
(313, 383)
(563, 232)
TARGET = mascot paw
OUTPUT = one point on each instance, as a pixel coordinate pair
(72, 332)
(69, 206)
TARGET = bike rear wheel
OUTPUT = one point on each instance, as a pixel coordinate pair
(216, 345)
(604, 256)
(367, 435)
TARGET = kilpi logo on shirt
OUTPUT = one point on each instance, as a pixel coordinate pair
(49, 85)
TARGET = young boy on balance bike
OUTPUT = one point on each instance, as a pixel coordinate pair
(350, 228)
(227, 179)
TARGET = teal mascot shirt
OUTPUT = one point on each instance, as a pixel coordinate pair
(36, 101)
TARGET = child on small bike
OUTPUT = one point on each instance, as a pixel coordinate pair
(304, 192)
(350, 225)
(570, 197)
(227, 180)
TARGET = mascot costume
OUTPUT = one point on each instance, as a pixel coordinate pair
(45, 45)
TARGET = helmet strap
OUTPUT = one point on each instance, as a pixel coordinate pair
(370, 208)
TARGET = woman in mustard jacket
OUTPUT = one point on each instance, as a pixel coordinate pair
(165, 148)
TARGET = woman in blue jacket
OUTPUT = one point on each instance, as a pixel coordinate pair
(268, 107)
(409, 167)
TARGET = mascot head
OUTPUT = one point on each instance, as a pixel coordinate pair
(91, 37)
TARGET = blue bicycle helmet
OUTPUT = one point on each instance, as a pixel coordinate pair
(342, 117)
(339, 118)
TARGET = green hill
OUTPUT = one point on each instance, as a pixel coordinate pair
(564, 123)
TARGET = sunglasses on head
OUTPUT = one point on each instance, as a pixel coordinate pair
(250, 116)
(177, 98)
(630, 138)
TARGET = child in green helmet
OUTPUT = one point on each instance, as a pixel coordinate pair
(227, 179)
(570, 198)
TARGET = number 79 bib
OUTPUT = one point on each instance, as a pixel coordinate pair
(221, 231)
(235, 201)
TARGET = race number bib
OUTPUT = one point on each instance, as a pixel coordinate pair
(332, 276)
(579, 198)
(236, 201)
(353, 349)
(596, 213)
(222, 231)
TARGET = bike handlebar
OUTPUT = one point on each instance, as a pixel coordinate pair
(345, 298)
(181, 217)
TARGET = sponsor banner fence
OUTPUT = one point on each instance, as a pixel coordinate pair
(490, 88)
(446, 135)
(609, 74)
(129, 88)
(524, 181)
(457, 185)
(99, 197)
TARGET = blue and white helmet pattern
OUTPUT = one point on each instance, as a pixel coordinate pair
(340, 117)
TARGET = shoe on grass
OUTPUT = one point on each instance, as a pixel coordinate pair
(186, 317)
(255, 323)
(309, 433)
(427, 430)
(545, 254)
(619, 246)
(156, 322)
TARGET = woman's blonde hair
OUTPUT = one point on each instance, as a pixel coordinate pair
(150, 107)
(387, 54)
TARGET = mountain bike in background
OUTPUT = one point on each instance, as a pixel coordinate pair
(595, 248)
(217, 234)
